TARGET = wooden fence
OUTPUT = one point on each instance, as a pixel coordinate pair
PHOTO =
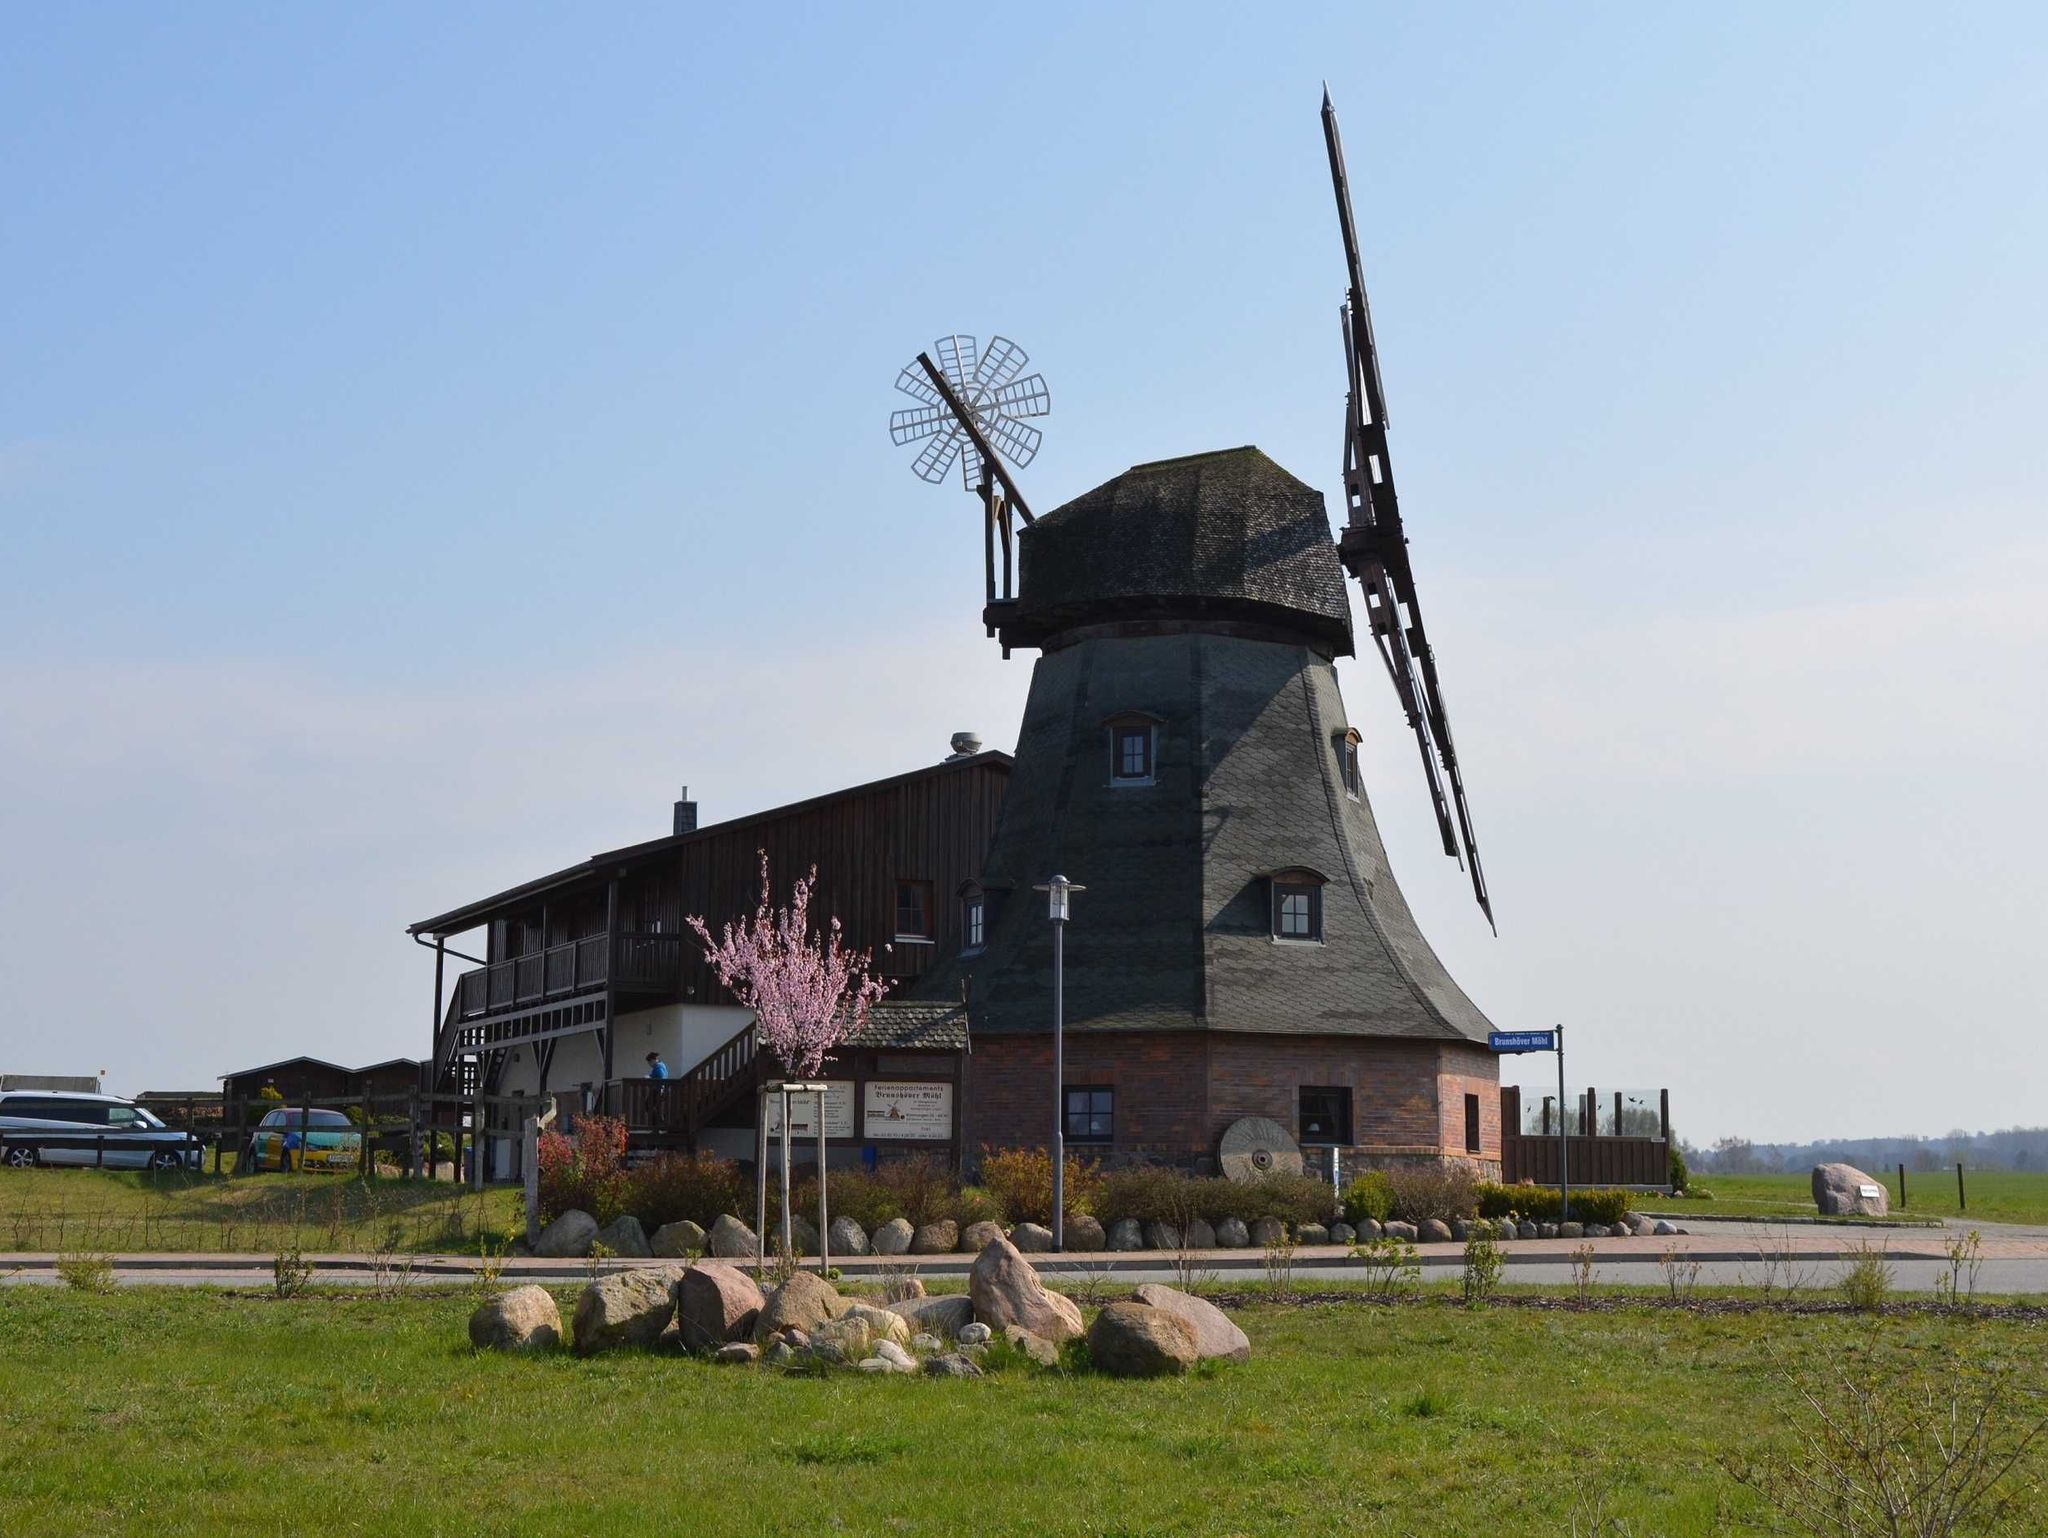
(1595, 1158)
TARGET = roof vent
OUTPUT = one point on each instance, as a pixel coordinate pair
(686, 814)
(965, 745)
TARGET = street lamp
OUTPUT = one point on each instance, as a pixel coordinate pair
(1057, 891)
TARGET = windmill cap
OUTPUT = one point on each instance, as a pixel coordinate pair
(1223, 536)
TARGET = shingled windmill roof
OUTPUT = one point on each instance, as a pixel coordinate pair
(1225, 535)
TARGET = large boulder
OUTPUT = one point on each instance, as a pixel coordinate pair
(1311, 1233)
(1844, 1191)
(893, 1237)
(1216, 1335)
(1231, 1234)
(521, 1319)
(803, 1302)
(1396, 1229)
(883, 1324)
(569, 1237)
(730, 1239)
(803, 1235)
(842, 1341)
(1006, 1290)
(1037, 1347)
(944, 1317)
(847, 1236)
(627, 1308)
(1132, 1340)
(1032, 1238)
(1201, 1235)
(952, 1364)
(935, 1238)
(1434, 1231)
(1084, 1233)
(977, 1237)
(1162, 1236)
(1127, 1234)
(716, 1303)
(1268, 1231)
(624, 1237)
(681, 1240)
(1343, 1233)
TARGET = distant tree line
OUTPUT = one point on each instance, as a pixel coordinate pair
(2015, 1148)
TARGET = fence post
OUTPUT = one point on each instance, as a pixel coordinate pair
(368, 1159)
(1962, 1200)
(534, 1127)
(1902, 1185)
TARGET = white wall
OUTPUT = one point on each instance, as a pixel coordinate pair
(684, 1035)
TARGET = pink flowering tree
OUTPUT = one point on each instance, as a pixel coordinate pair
(809, 992)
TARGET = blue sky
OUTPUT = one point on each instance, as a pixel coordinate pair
(387, 385)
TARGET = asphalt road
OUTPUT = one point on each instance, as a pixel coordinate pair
(1725, 1254)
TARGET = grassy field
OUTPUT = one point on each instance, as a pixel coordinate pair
(117, 1210)
(1995, 1196)
(192, 1412)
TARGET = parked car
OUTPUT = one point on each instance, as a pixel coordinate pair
(60, 1127)
(297, 1138)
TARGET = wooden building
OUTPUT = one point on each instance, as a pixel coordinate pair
(577, 976)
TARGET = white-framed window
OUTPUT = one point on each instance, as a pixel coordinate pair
(1133, 749)
(973, 921)
(1347, 759)
(1297, 906)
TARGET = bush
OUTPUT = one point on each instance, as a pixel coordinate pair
(1155, 1194)
(1439, 1190)
(1020, 1180)
(1151, 1193)
(1294, 1199)
(674, 1186)
(1371, 1195)
(974, 1205)
(587, 1172)
(1679, 1173)
(922, 1187)
(1607, 1205)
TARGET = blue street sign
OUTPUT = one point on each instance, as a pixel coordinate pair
(1522, 1041)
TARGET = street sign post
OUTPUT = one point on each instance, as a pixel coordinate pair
(1505, 1042)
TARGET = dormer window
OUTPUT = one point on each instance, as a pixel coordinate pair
(1133, 748)
(1297, 906)
(1347, 761)
(973, 919)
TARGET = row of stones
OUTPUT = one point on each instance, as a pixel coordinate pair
(717, 1308)
(575, 1234)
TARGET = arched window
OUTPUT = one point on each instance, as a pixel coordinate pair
(1297, 905)
(1347, 761)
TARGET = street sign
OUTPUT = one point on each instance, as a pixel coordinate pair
(1522, 1041)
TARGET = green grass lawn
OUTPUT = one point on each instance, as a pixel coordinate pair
(193, 1412)
(1995, 1196)
(118, 1210)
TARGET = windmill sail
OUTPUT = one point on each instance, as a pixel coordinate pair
(1374, 548)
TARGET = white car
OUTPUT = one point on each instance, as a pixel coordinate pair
(55, 1127)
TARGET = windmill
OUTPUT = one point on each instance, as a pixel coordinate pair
(970, 405)
(1374, 549)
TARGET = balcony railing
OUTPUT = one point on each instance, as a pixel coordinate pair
(642, 962)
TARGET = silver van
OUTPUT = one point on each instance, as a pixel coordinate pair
(53, 1127)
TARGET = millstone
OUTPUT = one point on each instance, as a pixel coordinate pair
(1256, 1146)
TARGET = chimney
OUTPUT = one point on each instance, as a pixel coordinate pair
(965, 745)
(686, 814)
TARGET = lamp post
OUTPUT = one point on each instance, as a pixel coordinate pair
(1057, 891)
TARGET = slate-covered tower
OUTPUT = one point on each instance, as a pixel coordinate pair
(1242, 948)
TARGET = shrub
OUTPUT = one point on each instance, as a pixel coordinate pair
(1438, 1190)
(587, 1171)
(1371, 1195)
(922, 1187)
(1294, 1199)
(1867, 1280)
(1020, 1180)
(1607, 1205)
(1482, 1269)
(1152, 1193)
(974, 1205)
(1679, 1174)
(674, 1186)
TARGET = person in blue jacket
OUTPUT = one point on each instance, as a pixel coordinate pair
(656, 1068)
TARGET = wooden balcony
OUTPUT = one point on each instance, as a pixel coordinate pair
(627, 961)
